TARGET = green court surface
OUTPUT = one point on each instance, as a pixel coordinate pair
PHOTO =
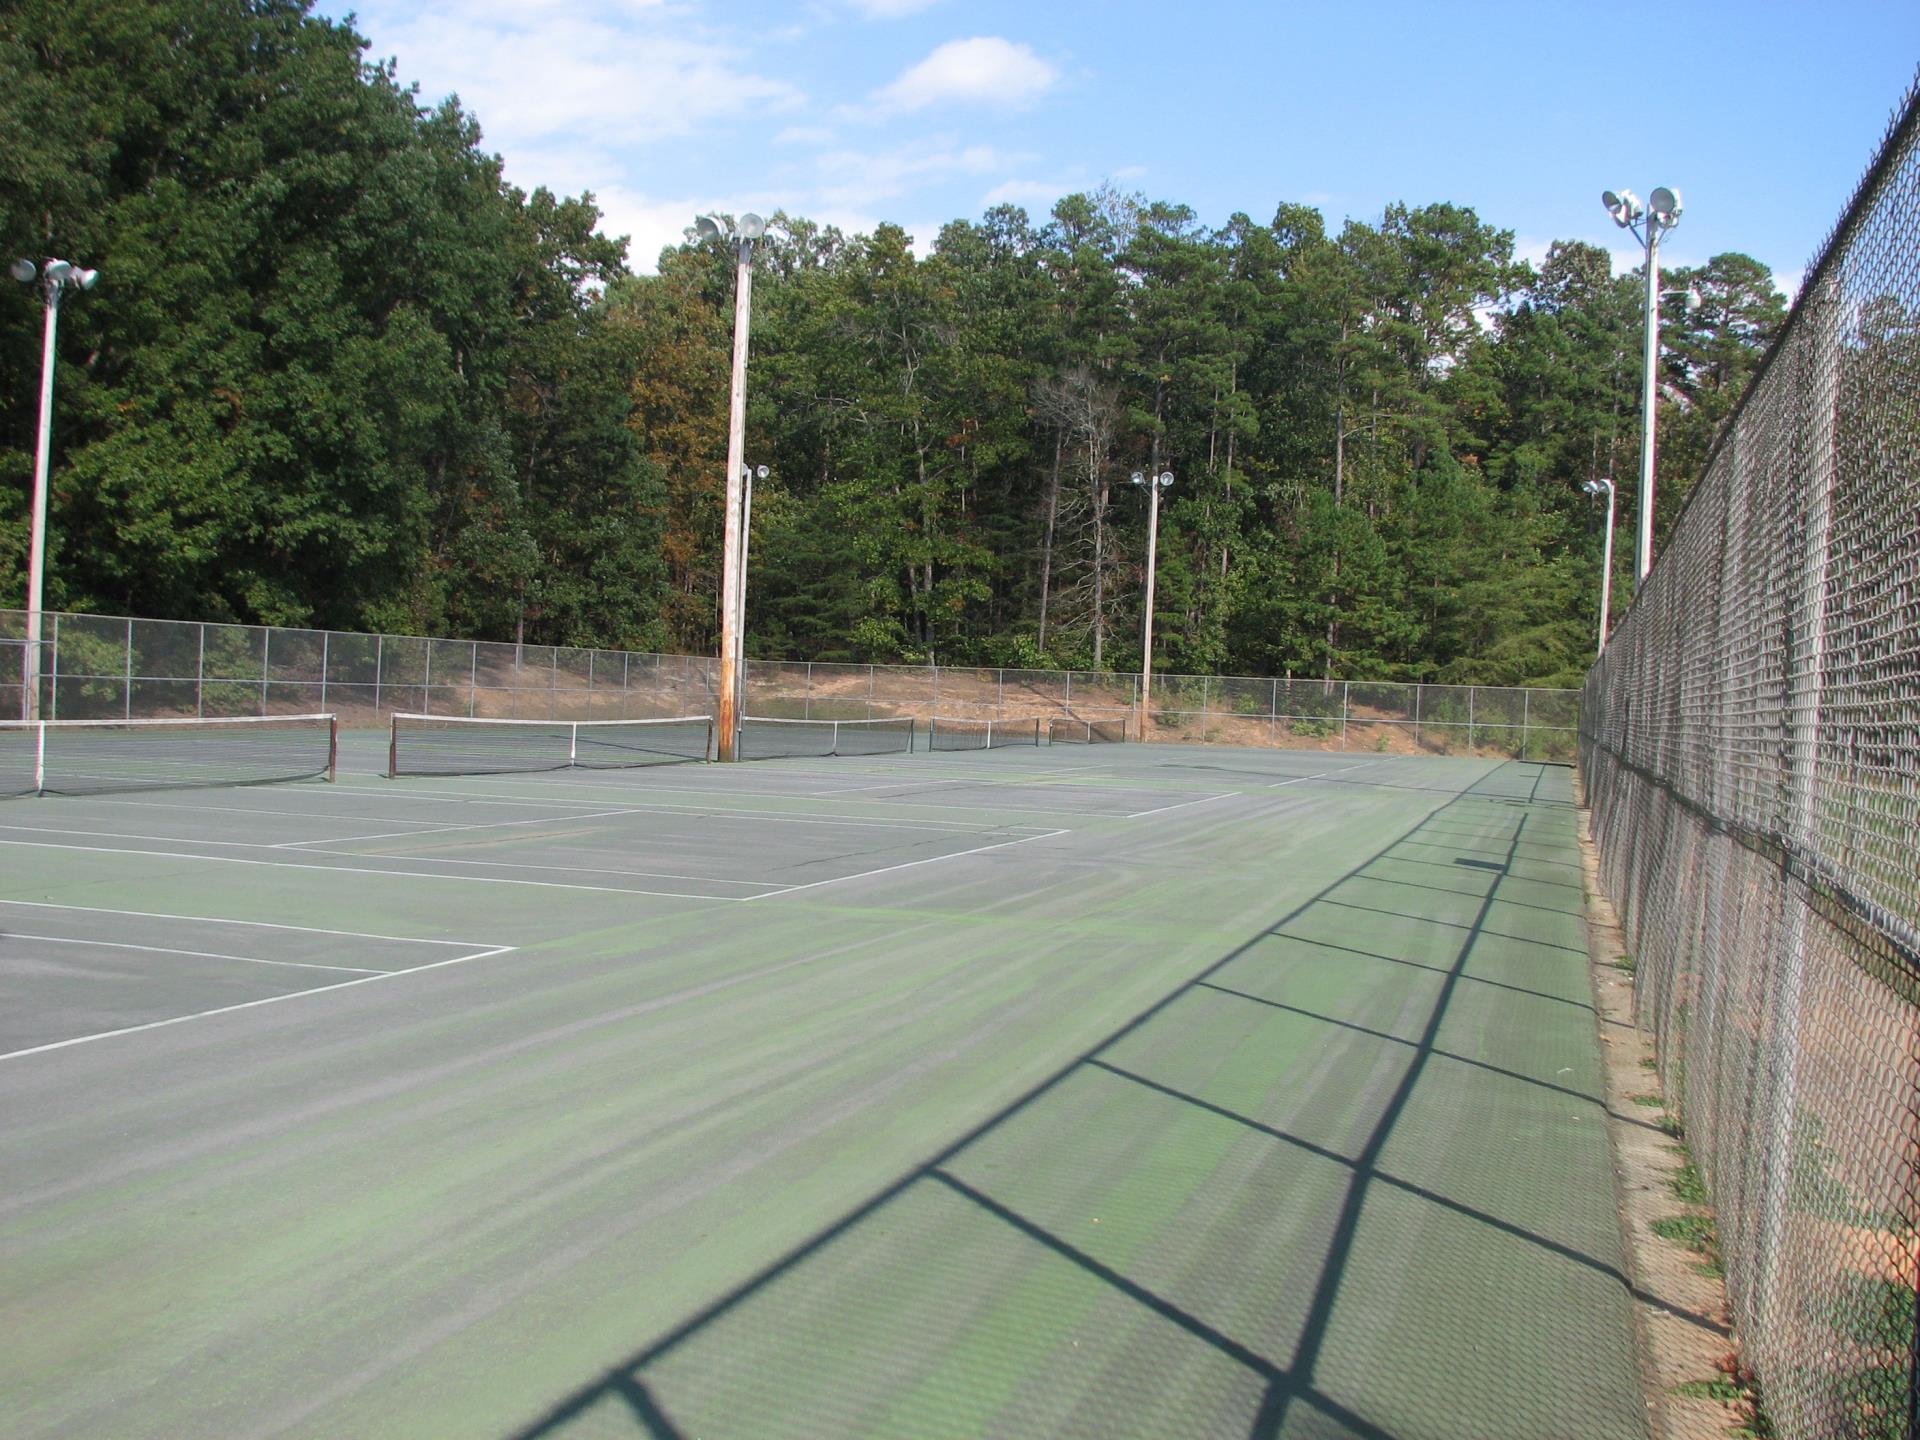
(1099, 1091)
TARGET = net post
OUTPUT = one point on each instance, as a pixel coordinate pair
(333, 748)
(126, 697)
(40, 757)
(393, 747)
(573, 743)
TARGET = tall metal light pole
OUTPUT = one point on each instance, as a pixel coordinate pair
(1646, 222)
(1604, 486)
(748, 474)
(741, 236)
(1155, 484)
(56, 277)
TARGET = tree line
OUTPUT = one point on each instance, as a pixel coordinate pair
(339, 373)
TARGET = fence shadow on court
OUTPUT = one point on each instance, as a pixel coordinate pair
(1314, 1189)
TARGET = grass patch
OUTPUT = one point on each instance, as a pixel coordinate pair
(1738, 1388)
(1651, 1100)
(1687, 1186)
(1698, 1234)
(1647, 1062)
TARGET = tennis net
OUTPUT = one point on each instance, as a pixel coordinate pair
(945, 734)
(94, 757)
(763, 738)
(459, 745)
(1069, 730)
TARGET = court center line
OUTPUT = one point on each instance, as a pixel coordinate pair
(370, 870)
(197, 954)
(1203, 800)
(905, 865)
(221, 920)
(251, 1004)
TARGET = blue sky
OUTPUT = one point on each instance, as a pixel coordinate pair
(855, 112)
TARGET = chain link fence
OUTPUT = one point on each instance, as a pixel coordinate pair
(99, 667)
(1750, 744)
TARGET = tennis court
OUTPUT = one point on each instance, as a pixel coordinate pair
(1011, 1090)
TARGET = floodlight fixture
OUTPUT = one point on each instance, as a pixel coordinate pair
(58, 271)
(86, 279)
(751, 226)
(759, 472)
(1665, 204)
(24, 271)
(1623, 205)
(708, 227)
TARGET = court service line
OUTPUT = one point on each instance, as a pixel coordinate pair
(197, 954)
(250, 810)
(1322, 775)
(986, 779)
(252, 1004)
(319, 847)
(1203, 800)
(710, 812)
(449, 829)
(370, 870)
(221, 920)
(904, 865)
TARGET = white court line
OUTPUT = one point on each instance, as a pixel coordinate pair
(251, 1004)
(988, 777)
(1322, 775)
(369, 870)
(219, 920)
(776, 816)
(449, 829)
(197, 954)
(905, 865)
(248, 810)
(490, 799)
(320, 847)
(1204, 799)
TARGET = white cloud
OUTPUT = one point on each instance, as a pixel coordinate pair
(860, 179)
(544, 72)
(986, 70)
(891, 9)
(804, 135)
(1035, 195)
